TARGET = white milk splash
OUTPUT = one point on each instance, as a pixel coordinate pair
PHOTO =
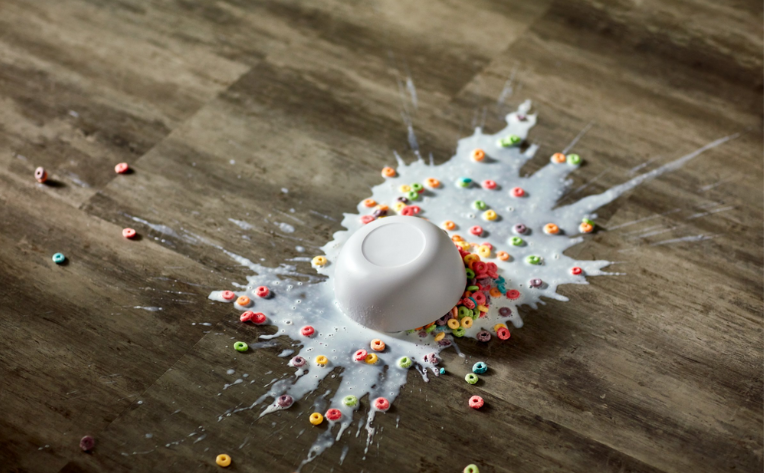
(293, 305)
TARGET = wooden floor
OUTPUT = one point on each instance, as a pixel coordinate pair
(218, 106)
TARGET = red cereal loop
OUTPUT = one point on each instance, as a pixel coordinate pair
(121, 168)
(575, 270)
(128, 233)
(382, 404)
(518, 192)
(410, 210)
(307, 331)
(360, 355)
(476, 230)
(367, 219)
(333, 414)
(40, 174)
(476, 402)
(246, 316)
(503, 333)
(258, 318)
(513, 294)
(479, 298)
(262, 291)
(228, 295)
(489, 184)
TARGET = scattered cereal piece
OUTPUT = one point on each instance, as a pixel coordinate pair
(377, 345)
(558, 158)
(476, 230)
(121, 168)
(388, 172)
(128, 233)
(381, 404)
(479, 368)
(350, 400)
(575, 270)
(240, 346)
(371, 358)
(432, 182)
(307, 331)
(298, 361)
(321, 360)
(223, 460)
(262, 292)
(502, 255)
(228, 295)
(41, 174)
(478, 155)
(551, 229)
(243, 301)
(471, 378)
(518, 192)
(333, 415)
(319, 261)
(369, 203)
(471, 469)
(449, 225)
(489, 184)
(59, 258)
(405, 362)
(476, 402)
(574, 159)
(87, 443)
(316, 418)
(490, 215)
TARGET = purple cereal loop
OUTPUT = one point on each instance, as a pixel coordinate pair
(298, 361)
(536, 282)
(483, 336)
(505, 311)
(431, 358)
(285, 400)
(520, 228)
(87, 443)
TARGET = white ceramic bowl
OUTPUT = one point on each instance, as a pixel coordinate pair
(398, 273)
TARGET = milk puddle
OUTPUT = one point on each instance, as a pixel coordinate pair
(533, 267)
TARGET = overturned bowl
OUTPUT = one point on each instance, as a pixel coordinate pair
(398, 273)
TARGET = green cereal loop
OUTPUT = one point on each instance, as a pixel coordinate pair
(463, 312)
(471, 469)
(574, 159)
(350, 401)
(473, 288)
(470, 273)
(412, 195)
(240, 346)
(405, 362)
(586, 220)
(532, 259)
(430, 328)
(416, 187)
(59, 258)
(516, 241)
(458, 332)
(471, 378)
(480, 205)
(475, 314)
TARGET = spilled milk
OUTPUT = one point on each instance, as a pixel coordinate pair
(293, 305)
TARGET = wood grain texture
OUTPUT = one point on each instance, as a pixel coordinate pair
(221, 106)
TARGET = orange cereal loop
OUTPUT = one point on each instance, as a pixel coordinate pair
(377, 345)
(383, 207)
(558, 158)
(478, 154)
(503, 255)
(494, 292)
(457, 238)
(586, 228)
(449, 225)
(432, 182)
(551, 229)
(369, 203)
(388, 172)
(243, 300)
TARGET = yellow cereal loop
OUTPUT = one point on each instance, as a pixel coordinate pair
(484, 251)
(398, 206)
(223, 460)
(321, 360)
(405, 188)
(319, 261)
(440, 336)
(490, 215)
(371, 358)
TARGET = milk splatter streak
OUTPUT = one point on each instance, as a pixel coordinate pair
(293, 305)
